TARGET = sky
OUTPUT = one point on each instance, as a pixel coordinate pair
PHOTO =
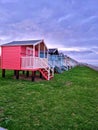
(69, 25)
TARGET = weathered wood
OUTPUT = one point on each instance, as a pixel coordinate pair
(14, 72)
(3, 73)
(23, 72)
(40, 75)
(27, 73)
(33, 75)
(17, 74)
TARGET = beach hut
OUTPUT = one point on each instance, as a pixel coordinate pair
(30, 55)
(57, 60)
(61, 59)
(53, 57)
(70, 62)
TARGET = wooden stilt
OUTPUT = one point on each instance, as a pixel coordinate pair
(17, 74)
(27, 73)
(40, 75)
(23, 72)
(14, 72)
(3, 73)
(33, 75)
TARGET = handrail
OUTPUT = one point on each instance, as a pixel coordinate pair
(36, 62)
(52, 69)
(45, 67)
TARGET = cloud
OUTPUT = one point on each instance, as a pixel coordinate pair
(66, 17)
(95, 49)
(26, 29)
(8, 1)
(70, 24)
(81, 52)
(4, 15)
(78, 52)
(46, 13)
(89, 19)
(82, 55)
(83, 39)
(55, 22)
(76, 49)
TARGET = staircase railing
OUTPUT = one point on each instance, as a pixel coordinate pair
(44, 64)
(33, 62)
(51, 68)
(36, 62)
(27, 62)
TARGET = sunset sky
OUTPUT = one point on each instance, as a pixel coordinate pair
(70, 25)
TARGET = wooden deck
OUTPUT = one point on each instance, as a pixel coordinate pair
(30, 63)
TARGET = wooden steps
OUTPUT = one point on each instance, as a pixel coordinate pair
(46, 73)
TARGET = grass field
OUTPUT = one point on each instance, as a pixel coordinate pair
(67, 102)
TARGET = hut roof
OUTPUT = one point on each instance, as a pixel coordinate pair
(27, 42)
(53, 51)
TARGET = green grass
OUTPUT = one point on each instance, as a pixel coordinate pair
(67, 102)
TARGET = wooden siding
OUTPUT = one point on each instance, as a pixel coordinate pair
(23, 50)
(11, 57)
(56, 60)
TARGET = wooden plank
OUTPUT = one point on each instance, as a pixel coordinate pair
(11, 57)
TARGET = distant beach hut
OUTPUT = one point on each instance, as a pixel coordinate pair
(57, 60)
(71, 62)
(53, 57)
